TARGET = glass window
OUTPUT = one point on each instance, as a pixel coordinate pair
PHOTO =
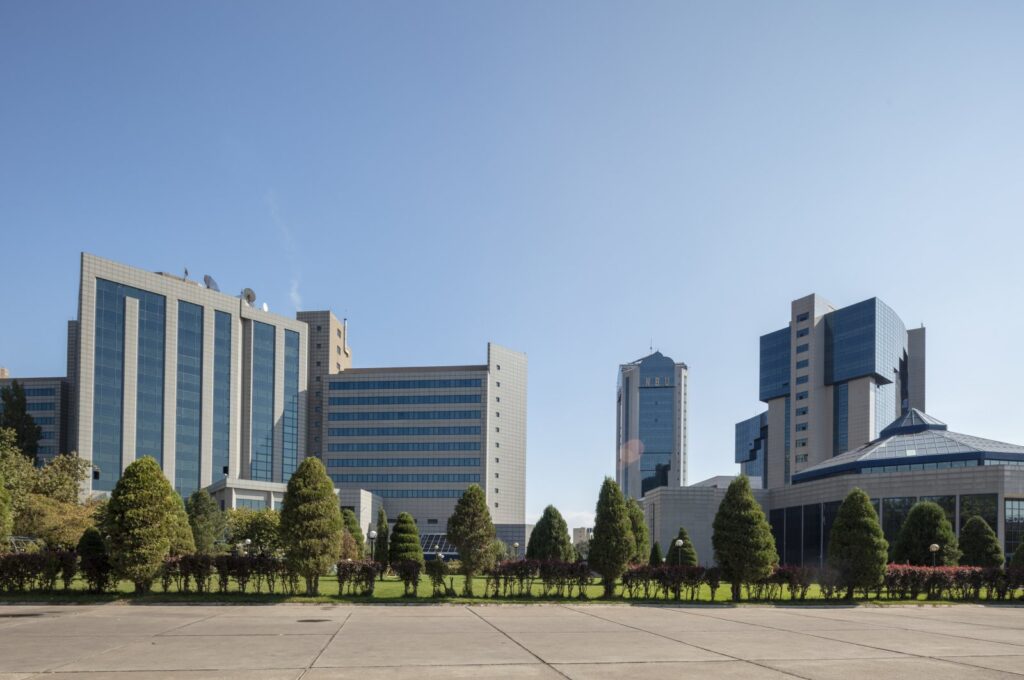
(190, 398)
(800, 396)
(802, 411)
(803, 363)
(803, 332)
(405, 446)
(1013, 509)
(403, 462)
(894, 513)
(263, 377)
(290, 418)
(812, 535)
(801, 427)
(802, 379)
(984, 505)
(794, 535)
(828, 518)
(800, 349)
(404, 431)
(405, 399)
(840, 418)
(221, 393)
(448, 383)
(803, 316)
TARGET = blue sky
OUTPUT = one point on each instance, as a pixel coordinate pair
(567, 179)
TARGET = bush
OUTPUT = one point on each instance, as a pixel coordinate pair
(550, 538)
(404, 544)
(206, 520)
(358, 576)
(979, 544)
(409, 572)
(471, 532)
(311, 523)
(261, 527)
(655, 559)
(638, 525)
(857, 549)
(742, 540)
(926, 524)
(612, 546)
(437, 570)
(95, 564)
(684, 555)
(352, 526)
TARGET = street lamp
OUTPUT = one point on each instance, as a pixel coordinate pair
(247, 542)
(516, 546)
(934, 548)
(373, 540)
(677, 556)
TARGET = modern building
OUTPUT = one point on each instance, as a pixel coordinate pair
(206, 383)
(832, 380)
(582, 535)
(418, 437)
(47, 401)
(651, 425)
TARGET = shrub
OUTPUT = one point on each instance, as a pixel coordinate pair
(405, 541)
(612, 546)
(6, 516)
(471, 532)
(437, 570)
(550, 538)
(638, 525)
(311, 523)
(684, 555)
(742, 540)
(95, 563)
(926, 524)
(261, 527)
(182, 542)
(409, 572)
(979, 544)
(358, 576)
(655, 559)
(206, 520)
(352, 526)
(857, 549)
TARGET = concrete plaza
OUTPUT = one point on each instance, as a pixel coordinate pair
(286, 642)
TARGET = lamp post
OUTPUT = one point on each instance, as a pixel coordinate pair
(373, 541)
(247, 542)
(934, 548)
(677, 556)
(516, 546)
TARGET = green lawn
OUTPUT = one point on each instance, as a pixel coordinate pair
(390, 590)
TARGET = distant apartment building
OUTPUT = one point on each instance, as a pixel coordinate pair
(651, 431)
(208, 384)
(582, 534)
(833, 379)
(46, 400)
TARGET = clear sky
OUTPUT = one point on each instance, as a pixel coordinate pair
(571, 180)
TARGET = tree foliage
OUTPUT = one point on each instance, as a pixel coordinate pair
(94, 561)
(471, 532)
(857, 549)
(6, 516)
(182, 542)
(58, 524)
(206, 520)
(380, 546)
(15, 416)
(311, 523)
(979, 544)
(404, 544)
(612, 545)
(261, 527)
(550, 538)
(140, 517)
(684, 555)
(349, 548)
(638, 523)
(352, 526)
(742, 540)
(926, 524)
(655, 558)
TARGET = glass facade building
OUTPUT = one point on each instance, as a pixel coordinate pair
(263, 379)
(190, 398)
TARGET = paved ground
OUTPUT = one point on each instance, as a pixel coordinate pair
(319, 642)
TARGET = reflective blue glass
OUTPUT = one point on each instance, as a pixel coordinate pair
(656, 422)
(402, 462)
(402, 431)
(40, 406)
(405, 415)
(407, 446)
(188, 422)
(290, 420)
(263, 368)
(418, 493)
(752, 448)
(775, 364)
(405, 399)
(1013, 519)
(40, 392)
(108, 379)
(866, 338)
(250, 504)
(404, 384)
(221, 394)
(400, 478)
(786, 442)
(802, 379)
(840, 418)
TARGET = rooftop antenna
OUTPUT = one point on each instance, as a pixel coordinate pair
(249, 295)
(186, 273)
(210, 283)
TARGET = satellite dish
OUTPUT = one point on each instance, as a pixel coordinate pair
(210, 283)
(266, 307)
(249, 295)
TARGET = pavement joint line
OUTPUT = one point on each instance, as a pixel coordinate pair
(324, 648)
(515, 642)
(689, 644)
(867, 646)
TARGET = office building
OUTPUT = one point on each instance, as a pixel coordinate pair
(832, 380)
(651, 425)
(207, 383)
(418, 437)
(752, 447)
(582, 535)
(46, 400)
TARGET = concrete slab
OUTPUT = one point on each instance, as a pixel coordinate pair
(535, 671)
(579, 623)
(1010, 664)
(207, 653)
(425, 625)
(741, 670)
(775, 644)
(622, 646)
(376, 648)
(20, 653)
(293, 674)
(310, 623)
(905, 669)
(921, 643)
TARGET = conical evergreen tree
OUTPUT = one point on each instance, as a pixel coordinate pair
(655, 560)
(742, 540)
(638, 524)
(857, 549)
(1017, 560)
(684, 555)
(94, 561)
(380, 547)
(352, 525)
(471, 532)
(550, 538)
(207, 521)
(311, 523)
(926, 524)
(141, 519)
(182, 542)
(612, 545)
(405, 541)
(979, 544)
